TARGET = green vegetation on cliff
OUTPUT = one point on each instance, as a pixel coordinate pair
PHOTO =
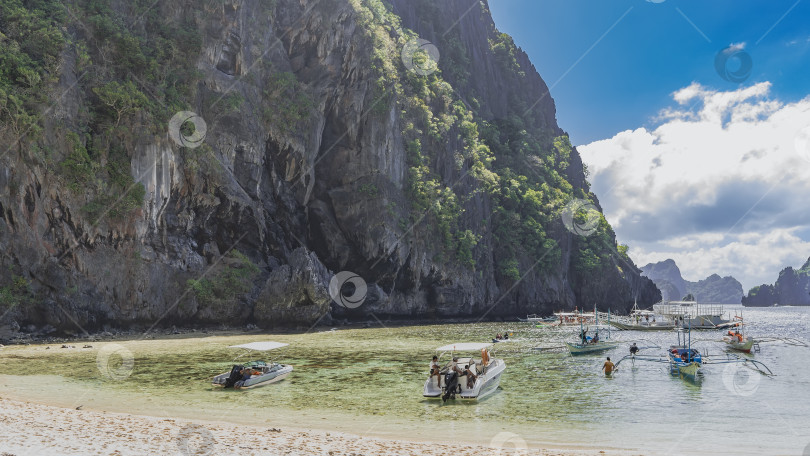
(527, 182)
(31, 41)
(792, 288)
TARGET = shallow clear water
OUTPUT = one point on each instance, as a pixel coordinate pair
(369, 381)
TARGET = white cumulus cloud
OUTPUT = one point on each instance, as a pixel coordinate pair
(720, 185)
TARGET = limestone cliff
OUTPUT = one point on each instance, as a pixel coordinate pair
(792, 288)
(667, 277)
(219, 162)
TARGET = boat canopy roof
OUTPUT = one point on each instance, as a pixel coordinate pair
(642, 312)
(464, 346)
(261, 346)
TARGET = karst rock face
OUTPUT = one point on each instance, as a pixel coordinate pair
(305, 168)
(715, 289)
(792, 288)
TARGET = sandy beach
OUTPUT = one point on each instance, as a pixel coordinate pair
(35, 429)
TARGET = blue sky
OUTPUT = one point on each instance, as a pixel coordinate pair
(651, 50)
(695, 154)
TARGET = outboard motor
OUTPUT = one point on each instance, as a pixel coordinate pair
(451, 385)
(236, 375)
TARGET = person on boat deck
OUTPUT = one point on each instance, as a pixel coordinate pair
(608, 366)
(247, 373)
(454, 366)
(505, 336)
(633, 349)
(595, 338)
(470, 376)
(584, 336)
(435, 370)
(498, 337)
(684, 356)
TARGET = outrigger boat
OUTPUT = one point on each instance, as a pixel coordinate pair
(254, 373)
(535, 318)
(737, 341)
(642, 320)
(487, 372)
(690, 314)
(587, 344)
(574, 318)
(683, 359)
(687, 362)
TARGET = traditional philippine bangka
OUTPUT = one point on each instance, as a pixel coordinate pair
(535, 318)
(574, 318)
(690, 314)
(683, 359)
(736, 340)
(641, 320)
(687, 362)
(254, 373)
(587, 344)
(485, 369)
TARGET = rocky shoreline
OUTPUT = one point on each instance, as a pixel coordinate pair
(14, 335)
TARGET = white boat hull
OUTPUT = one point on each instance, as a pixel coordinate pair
(257, 380)
(745, 346)
(641, 327)
(579, 349)
(486, 383)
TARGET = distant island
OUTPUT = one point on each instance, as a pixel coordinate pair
(667, 277)
(792, 288)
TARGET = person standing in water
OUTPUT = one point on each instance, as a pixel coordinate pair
(608, 366)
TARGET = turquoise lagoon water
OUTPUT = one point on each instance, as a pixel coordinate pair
(369, 382)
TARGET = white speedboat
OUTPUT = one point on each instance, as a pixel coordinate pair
(254, 373)
(487, 371)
